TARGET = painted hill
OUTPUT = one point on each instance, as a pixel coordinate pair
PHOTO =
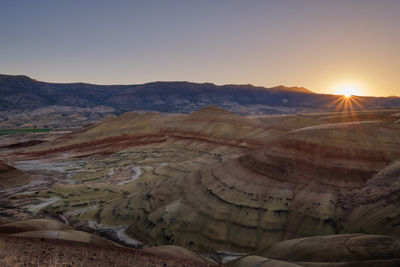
(289, 190)
(213, 181)
(211, 125)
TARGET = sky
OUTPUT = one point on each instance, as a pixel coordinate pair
(325, 46)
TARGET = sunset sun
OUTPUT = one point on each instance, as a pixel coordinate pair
(347, 94)
(347, 90)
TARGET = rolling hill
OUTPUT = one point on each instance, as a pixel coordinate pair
(215, 183)
(23, 93)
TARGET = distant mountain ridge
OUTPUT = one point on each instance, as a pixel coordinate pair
(21, 93)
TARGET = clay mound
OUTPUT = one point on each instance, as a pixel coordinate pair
(366, 115)
(337, 250)
(11, 177)
(130, 123)
(209, 125)
(33, 225)
(374, 208)
(287, 191)
(229, 207)
(71, 235)
(24, 144)
(16, 251)
(218, 126)
(289, 122)
(336, 126)
(343, 155)
(315, 169)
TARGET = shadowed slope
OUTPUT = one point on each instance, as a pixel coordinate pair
(10, 176)
(50, 236)
(71, 235)
(50, 229)
(174, 251)
(374, 208)
(33, 225)
(337, 250)
(258, 261)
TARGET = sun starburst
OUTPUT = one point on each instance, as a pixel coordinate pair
(347, 90)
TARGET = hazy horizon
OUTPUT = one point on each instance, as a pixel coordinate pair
(204, 82)
(318, 45)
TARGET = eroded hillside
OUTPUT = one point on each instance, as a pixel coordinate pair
(213, 181)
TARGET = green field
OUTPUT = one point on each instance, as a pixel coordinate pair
(24, 130)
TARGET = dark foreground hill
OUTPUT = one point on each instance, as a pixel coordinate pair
(19, 251)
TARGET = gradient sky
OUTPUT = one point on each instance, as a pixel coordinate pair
(319, 44)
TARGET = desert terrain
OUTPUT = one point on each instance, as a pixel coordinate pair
(200, 133)
(207, 188)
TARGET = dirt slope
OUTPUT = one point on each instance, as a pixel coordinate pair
(49, 252)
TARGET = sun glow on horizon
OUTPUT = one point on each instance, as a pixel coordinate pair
(347, 94)
(347, 102)
(347, 89)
